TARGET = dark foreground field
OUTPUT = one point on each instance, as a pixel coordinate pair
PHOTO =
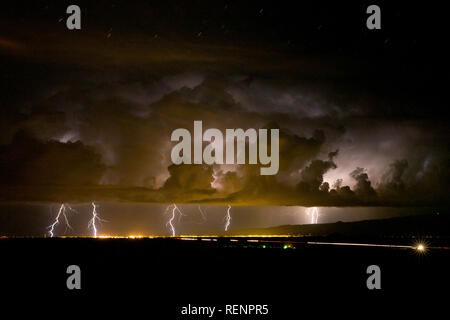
(159, 276)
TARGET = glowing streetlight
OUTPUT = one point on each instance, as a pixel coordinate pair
(420, 248)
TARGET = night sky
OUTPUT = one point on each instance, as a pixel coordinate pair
(87, 114)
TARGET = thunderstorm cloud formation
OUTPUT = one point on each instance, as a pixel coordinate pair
(87, 116)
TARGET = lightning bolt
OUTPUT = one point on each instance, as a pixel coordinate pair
(227, 218)
(62, 211)
(314, 213)
(202, 214)
(95, 217)
(169, 223)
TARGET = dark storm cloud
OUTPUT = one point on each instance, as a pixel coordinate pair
(127, 126)
(189, 182)
(363, 187)
(99, 110)
(311, 177)
(28, 161)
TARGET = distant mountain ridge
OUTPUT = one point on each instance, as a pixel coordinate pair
(418, 225)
